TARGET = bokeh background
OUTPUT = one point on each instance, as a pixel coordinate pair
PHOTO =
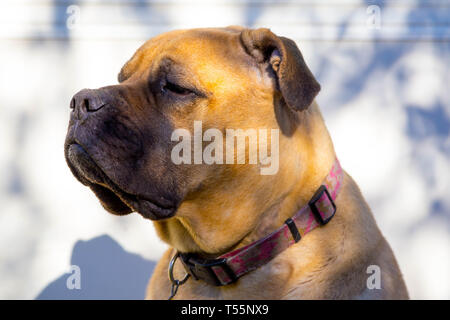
(384, 71)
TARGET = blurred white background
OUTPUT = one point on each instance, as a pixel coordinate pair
(384, 71)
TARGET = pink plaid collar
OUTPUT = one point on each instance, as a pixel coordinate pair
(229, 267)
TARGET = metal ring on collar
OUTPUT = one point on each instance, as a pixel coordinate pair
(171, 265)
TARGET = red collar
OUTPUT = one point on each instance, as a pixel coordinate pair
(229, 267)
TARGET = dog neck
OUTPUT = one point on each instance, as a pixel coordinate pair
(229, 267)
(307, 155)
(315, 165)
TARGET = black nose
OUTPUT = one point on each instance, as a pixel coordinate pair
(87, 100)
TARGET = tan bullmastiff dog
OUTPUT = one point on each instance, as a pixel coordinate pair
(302, 231)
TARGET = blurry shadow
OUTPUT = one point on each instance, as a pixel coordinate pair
(15, 177)
(149, 15)
(107, 271)
(423, 123)
(252, 11)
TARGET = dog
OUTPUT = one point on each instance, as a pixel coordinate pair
(233, 232)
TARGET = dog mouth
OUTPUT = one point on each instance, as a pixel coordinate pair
(113, 198)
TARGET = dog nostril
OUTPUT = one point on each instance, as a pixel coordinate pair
(86, 104)
(72, 103)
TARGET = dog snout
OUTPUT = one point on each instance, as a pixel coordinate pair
(87, 101)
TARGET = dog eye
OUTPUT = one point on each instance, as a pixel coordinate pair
(172, 87)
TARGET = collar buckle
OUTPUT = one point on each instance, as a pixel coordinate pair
(325, 202)
(203, 269)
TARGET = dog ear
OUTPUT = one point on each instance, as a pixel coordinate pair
(295, 81)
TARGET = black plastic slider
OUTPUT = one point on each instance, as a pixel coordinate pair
(293, 228)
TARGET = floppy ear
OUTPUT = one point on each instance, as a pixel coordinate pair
(295, 81)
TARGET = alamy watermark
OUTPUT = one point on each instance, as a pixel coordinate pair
(74, 280)
(374, 17)
(189, 150)
(374, 280)
(74, 15)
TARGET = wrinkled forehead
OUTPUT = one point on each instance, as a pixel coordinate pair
(207, 52)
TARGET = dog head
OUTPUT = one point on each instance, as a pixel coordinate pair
(119, 140)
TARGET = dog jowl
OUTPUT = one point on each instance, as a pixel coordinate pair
(115, 145)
